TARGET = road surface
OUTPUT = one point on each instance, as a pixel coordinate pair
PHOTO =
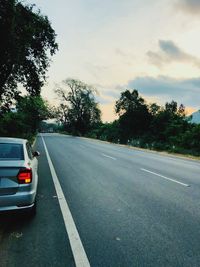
(105, 205)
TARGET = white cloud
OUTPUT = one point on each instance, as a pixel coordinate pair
(185, 91)
(189, 6)
(169, 52)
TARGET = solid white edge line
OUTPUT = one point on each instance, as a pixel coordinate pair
(78, 251)
(108, 157)
(164, 177)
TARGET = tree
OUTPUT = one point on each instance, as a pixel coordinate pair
(35, 109)
(30, 111)
(154, 109)
(27, 39)
(134, 117)
(79, 107)
(108, 132)
(168, 124)
(191, 139)
(61, 114)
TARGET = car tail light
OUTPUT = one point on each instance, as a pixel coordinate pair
(25, 176)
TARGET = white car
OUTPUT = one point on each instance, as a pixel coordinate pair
(18, 175)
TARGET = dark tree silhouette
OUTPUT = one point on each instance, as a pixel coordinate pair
(27, 40)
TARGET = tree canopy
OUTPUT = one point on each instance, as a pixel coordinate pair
(27, 41)
(133, 114)
(24, 122)
(78, 110)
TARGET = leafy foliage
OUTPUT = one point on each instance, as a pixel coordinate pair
(78, 110)
(31, 110)
(133, 115)
(151, 126)
(27, 40)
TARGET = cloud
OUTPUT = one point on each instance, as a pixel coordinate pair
(127, 57)
(155, 59)
(171, 49)
(185, 91)
(169, 52)
(121, 53)
(160, 90)
(189, 6)
(96, 70)
(106, 94)
(102, 99)
(113, 93)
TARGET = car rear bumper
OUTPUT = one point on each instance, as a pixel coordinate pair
(18, 201)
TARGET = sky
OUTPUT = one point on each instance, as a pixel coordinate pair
(149, 45)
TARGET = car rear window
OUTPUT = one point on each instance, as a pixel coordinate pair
(11, 151)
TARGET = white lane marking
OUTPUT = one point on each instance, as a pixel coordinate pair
(78, 251)
(164, 177)
(108, 157)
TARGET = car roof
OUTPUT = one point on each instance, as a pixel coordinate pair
(12, 140)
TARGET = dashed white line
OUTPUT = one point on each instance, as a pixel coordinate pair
(78, 251)
(108, 157)
(166, 178)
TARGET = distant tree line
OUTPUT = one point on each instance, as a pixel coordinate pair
(151, 126)
(139, 124)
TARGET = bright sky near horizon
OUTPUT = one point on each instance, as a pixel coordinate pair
(149, 45)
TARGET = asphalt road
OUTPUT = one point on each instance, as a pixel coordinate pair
(130, 208)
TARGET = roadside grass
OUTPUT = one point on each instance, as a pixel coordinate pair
(175, 151)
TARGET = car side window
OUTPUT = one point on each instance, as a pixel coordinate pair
(29, 151)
